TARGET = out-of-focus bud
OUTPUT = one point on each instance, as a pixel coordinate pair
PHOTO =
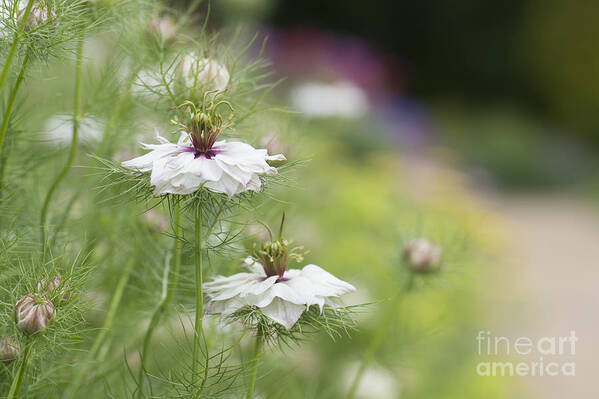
(10, 349)
(274, 145)
(423, 256)
(56, 289)
(40, 14)
(33, 313)
(258, 232)
(196, 72)
(156, 221)
(162, 28)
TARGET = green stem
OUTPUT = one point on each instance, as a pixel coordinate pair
(378, 337)
(72, 153)
(112, 309)
(255, 360)
(15, 44)
(3, 162)
(11, 101)
(18, 380)
(198, 327)
(167, 293)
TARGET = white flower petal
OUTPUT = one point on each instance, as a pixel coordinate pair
(284, 313)
(324, 283)
(224, 308)
(277, 157)
(206, 169)
(254, 266)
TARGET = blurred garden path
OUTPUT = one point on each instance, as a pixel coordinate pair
(543, 280)
(553, 240)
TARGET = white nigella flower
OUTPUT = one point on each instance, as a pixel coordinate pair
(199, 160)
(229, 167)
(282, 299)
(198, 72)
(59, 130)
(341, 99)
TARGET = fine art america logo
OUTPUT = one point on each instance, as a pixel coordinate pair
(545, 356)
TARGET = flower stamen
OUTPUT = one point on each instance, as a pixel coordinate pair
(274, 255)
(205, 125)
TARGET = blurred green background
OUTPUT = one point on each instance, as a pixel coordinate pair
(466, 111)
(497, 81)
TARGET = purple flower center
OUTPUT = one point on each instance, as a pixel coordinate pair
(279, 280)
(209, 154)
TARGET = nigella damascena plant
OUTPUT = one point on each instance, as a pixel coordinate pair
(281, 294)
(57, 289)
(10, 349)
(199, 159)
(423, 256)
(33, 313)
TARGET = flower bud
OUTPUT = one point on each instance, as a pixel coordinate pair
(33, 313)
(273, 144)
(156, 221)
(9, 349)
(195, 72)
(56, 289)
(257, 232)
(162, 28)
(40, 14)
(423, 256)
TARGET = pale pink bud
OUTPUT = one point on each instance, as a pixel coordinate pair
(162, 28)
(423, 256)
(156, 220)
(40, 14)
(10, 349)
(33, 313)
(56, 289)
(258, 232)
(274, 145)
